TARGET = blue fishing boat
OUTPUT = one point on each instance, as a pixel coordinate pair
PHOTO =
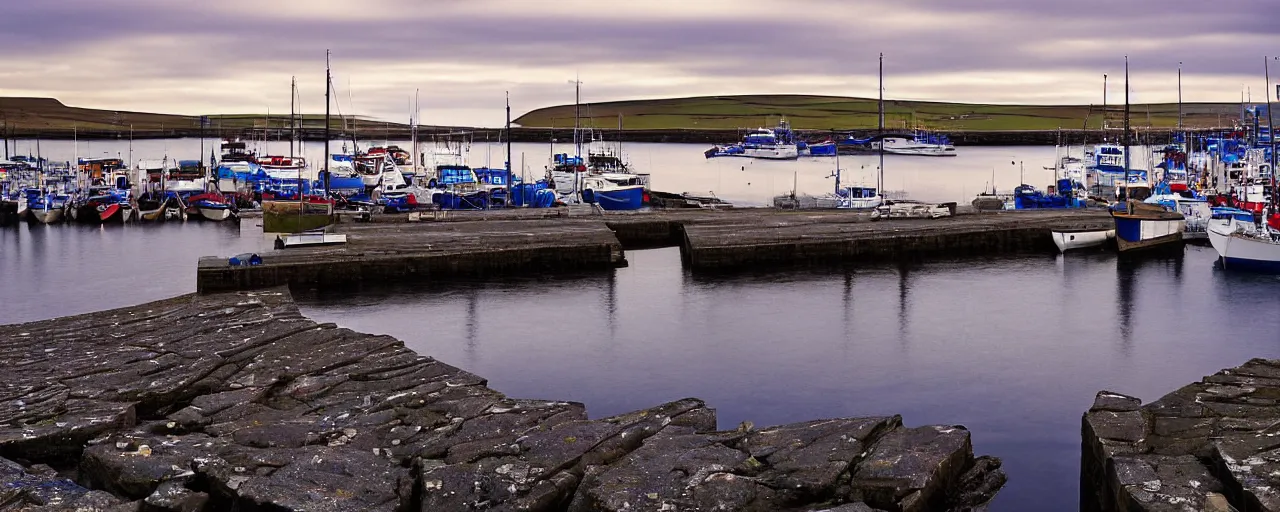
(1064, 195)
(45, 206)
(455, 187)
(612, 196)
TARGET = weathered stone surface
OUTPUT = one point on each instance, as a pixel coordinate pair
(1211, 445)
(236, 401)
(21, 489)
(913, 469)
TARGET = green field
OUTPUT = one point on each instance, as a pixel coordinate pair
(33, 116)
(48, 115)
(840, 113)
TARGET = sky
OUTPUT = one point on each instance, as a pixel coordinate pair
(462, 57)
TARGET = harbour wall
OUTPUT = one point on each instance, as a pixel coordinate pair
(392, 248)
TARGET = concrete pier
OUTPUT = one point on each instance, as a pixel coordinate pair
(235, 401)
(441, 245)
(381, 252)
(1212, 445)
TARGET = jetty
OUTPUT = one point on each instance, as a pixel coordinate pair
(236, 401)
(1213, 445)
(393, 248)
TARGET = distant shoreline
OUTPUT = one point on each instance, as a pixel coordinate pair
(562, 135)
(705, 120)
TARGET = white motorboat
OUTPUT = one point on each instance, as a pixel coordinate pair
(1073, 239)
(922, 144)
(1241, 244)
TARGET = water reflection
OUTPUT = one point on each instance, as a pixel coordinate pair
(473, 324)
(1126, 271)
(846, 300)
(903, 300)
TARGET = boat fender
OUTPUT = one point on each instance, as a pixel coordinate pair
(249, 258)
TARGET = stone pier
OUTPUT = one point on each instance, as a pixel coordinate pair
(391, 248)
(1213, 445)
(235, 401)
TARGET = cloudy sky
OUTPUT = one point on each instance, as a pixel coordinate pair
(235, 56)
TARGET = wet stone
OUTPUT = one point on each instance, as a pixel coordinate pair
(1108, 401)
(238, 402)
(913, 468)
(1210, 445)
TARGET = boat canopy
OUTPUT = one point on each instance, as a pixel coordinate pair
(1225, 212)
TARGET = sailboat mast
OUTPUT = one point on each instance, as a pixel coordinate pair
(1271, 131)
(880, 128)
(508, 135)
(1126, 127)
(293, 120)
(577, 115)
(328, 86)
(1179, 96)
(833, 137)
(413, 134)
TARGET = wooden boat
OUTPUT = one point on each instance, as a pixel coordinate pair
(152, 208)
(296, 216)
(1146, 227)
(1074, 239)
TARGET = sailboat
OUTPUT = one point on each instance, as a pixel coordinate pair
(903, 208)
(1141, 226)
(1240, 242)
(306, 212)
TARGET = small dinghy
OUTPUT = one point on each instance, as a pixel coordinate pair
(1073, 239)
(309, 239)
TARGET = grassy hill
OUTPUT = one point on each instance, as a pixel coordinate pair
(29, 116)
(833, 112)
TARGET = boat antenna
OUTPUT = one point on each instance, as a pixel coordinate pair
(880, 129)
(1126, 127)
(328, 85)
(1271, 130)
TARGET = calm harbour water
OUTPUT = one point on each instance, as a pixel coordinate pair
(1012, 348)
(681, 167)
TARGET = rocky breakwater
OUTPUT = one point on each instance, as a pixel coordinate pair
(1213, 445)
(238, 402)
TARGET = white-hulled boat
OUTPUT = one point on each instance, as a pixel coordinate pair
(1074, 239)
(921, 144)
(1241, 244)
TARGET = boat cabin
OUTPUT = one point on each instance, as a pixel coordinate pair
(454, 175)
(857, 192)
(98, 170)
(397, 155)
(236, 151)
(1108, 157)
